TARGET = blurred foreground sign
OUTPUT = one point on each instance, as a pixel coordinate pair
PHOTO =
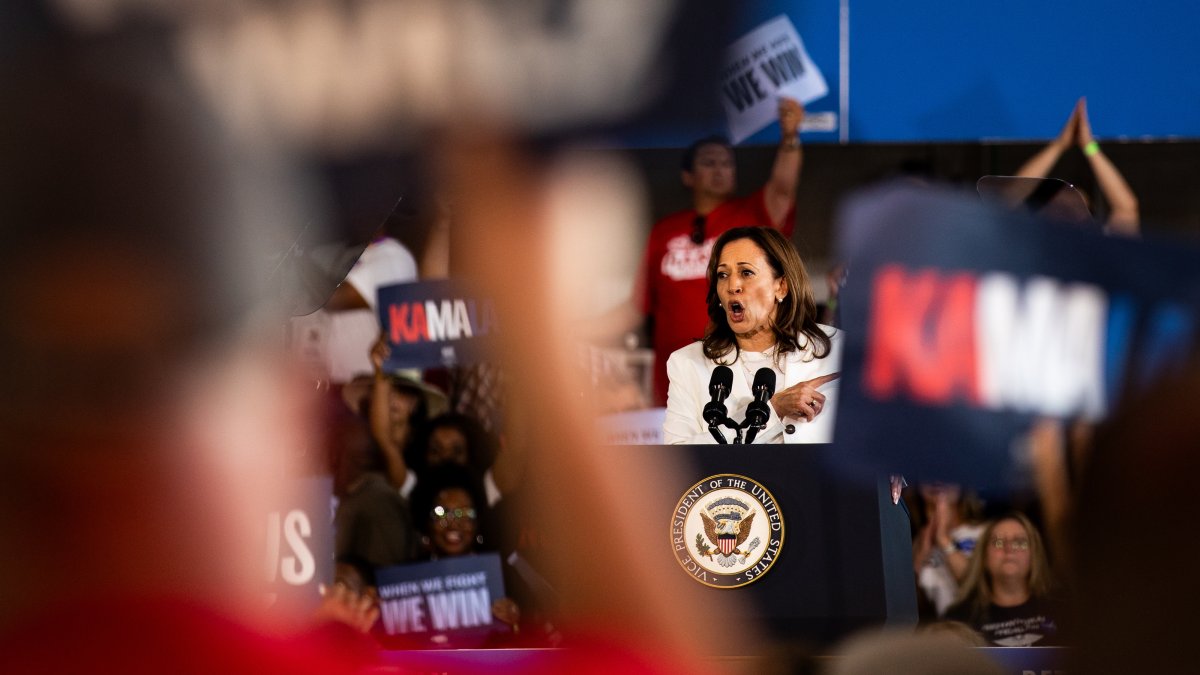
(635, 427)
(300, 548)
(966, 322)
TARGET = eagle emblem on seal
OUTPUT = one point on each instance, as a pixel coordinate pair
(727, 524)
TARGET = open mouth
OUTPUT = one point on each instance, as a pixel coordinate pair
(737, 312)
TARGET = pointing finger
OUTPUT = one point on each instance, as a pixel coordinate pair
(818, 381)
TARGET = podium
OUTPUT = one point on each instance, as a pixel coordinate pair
(845, 562)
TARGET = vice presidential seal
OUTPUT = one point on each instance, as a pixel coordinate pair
(727, 531)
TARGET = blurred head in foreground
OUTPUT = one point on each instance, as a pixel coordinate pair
(1134, 560)
(145, 434)
(900, 653)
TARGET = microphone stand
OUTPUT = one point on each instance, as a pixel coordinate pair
(751, 430)
(716, 432)
(757, 410)
(713, 425)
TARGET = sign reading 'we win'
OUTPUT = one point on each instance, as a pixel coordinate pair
(760, 67)
(451, 597)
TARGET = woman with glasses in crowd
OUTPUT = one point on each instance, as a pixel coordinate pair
(448, 509)
(452, 514)
(1007, 593)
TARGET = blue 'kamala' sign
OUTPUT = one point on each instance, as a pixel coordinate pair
(434, 323)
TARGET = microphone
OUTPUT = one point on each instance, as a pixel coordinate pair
(715, 412)
(758, 412)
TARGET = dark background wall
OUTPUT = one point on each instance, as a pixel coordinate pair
(1164, 176)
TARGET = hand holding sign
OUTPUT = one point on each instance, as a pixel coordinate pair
(803, 398)
(342, 604)
(380, 351)
(791, 114)
(507, 612)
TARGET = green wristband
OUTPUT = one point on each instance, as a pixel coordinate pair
(1091, 148)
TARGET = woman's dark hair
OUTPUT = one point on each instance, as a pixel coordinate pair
(795, 316)
(432, 482)
(481, 445)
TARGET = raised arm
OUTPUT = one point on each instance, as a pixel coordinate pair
(780, 191)
(382, 425)
(1040, 165)
(1122, 203)
(435, 258)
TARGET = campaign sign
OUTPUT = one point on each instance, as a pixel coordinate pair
(300, 547)
(434, 323)
(449, 597)
(966, 322)
(760, 67)
(635, 427)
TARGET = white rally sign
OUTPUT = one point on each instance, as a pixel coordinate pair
(761, 66)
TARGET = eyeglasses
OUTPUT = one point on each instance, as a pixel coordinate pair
(1019, 544)
(698, 229)
(445, 515)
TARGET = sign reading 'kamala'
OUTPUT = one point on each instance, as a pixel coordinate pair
(434, 323)
(965, 323)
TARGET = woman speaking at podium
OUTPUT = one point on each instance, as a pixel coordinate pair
(765, 371)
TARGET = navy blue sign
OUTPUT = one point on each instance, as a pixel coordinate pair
(450, 597)
(965, 323)
(300, 547)
(434, 323)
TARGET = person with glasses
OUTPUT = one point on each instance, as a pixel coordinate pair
(452, 514)
(1007, 594)
(671, 283)
(449, 509)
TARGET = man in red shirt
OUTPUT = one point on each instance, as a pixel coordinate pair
(671, 282)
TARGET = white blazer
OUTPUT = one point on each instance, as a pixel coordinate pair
(689, 371)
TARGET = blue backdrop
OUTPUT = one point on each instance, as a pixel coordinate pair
(947, 70)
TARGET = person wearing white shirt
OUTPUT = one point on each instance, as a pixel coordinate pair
(762, 314)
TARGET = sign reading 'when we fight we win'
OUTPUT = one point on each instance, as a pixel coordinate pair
(447, 597)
